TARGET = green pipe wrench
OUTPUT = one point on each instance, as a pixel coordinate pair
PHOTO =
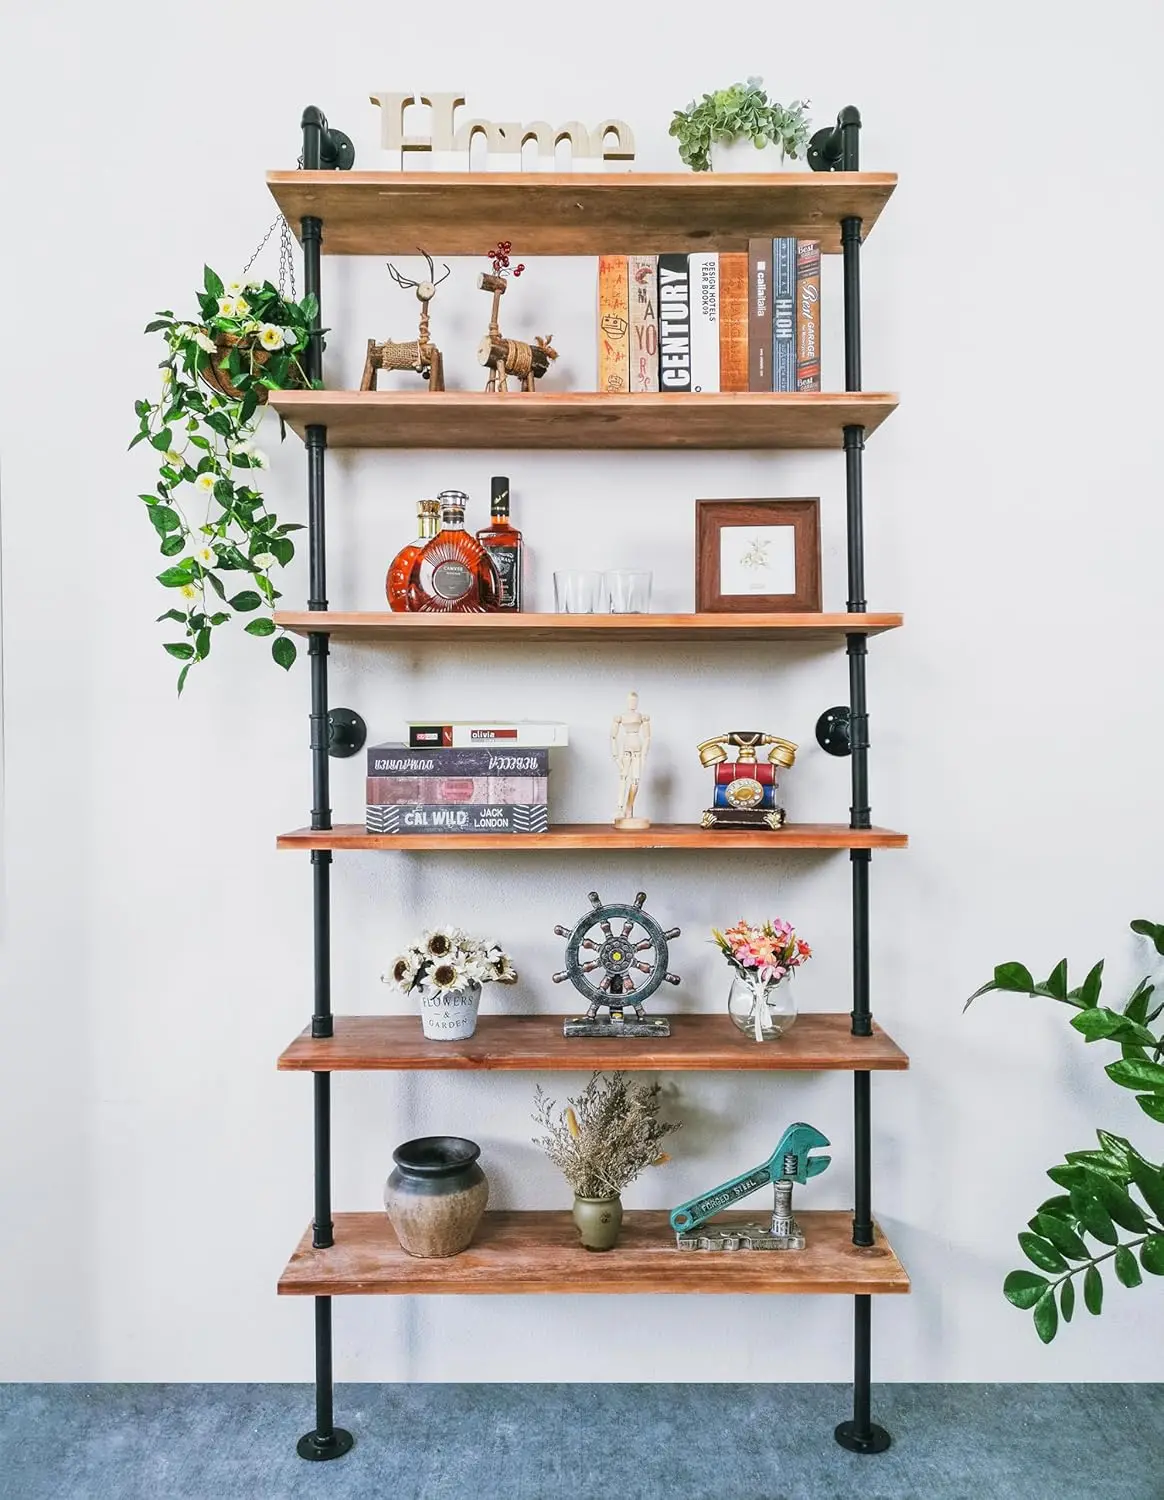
(790, 1162)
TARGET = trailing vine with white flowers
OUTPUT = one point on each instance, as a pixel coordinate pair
(210, 517)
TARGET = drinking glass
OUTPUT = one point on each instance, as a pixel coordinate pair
(577, 592)
(629, 592)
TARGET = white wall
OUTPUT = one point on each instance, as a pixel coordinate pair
(156, 954)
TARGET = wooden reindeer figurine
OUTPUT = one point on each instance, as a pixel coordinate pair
(420, 354)
(505, 357)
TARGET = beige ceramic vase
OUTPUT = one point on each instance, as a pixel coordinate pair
(436, 1195)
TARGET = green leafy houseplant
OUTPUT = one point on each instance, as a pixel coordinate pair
(732, 113)
(1112, 1196)
(210, 518)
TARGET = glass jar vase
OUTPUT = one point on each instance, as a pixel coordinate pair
(763, 1011)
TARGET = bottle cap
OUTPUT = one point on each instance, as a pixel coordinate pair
(499, 495)
(428, 507)
(452, 503)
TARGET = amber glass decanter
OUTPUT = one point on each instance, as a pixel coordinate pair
(428, 517)
(453, 573)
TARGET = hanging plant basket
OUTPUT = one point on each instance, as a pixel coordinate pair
(217, 377)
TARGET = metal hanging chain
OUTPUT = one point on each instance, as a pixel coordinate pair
(286, 256)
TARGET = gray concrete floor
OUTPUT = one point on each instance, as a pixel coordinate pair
(562, 1442)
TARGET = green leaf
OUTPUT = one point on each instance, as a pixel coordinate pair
(1013, 977)
(1068, 1177)
(172, 614)
(219, 619)
(182, 678)
(1093, 1291)
(1152, 1105)
(212, 283)
(284, 652)
(216, 584)
(1024, 1288)
(1150, 1181)
(1137, 1007)
(1126, 1268)
(1093, 1217)
(1041, 1253)
(172, 545)
(202, 644)
(282, 548)
(1067, 1299)
(1134, 1073)
(179, 649)
(163, 440)
(1046, 1317)
(1059, 1206)
(1119, 1204)
(1153, 930)
(261, 626)
(1152, 1254)
(1061, 1235)
(175, 577)
(247, 600)
(1056, 982)
(163, 519)
(1099, 1024)
(1089, 993)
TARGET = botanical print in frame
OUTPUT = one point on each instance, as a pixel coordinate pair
(759, 556)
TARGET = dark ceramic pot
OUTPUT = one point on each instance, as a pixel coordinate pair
(436, 1195)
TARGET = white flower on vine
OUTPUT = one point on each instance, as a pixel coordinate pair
(206, 482)
(188, 591)
(252, 284)
(167, 375)
(233, 288)
(204, 341)
(289, 335)
(241, 307)
(173, 458)
(204, 555)
(271, 337)
(250, 326)
(227, 307)
(264, 559)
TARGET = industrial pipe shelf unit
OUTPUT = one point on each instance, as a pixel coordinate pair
(868, 1262)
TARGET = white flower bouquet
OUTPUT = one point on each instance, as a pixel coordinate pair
(446, 969)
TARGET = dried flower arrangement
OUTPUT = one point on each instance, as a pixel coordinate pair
(603, 1139)
(448, 959)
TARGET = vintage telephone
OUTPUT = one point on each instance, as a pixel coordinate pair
(745, 787)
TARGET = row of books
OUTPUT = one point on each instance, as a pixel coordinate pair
(710, 321)
(463, 778)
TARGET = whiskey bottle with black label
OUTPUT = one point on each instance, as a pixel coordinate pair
(453, 573)
(503, 542)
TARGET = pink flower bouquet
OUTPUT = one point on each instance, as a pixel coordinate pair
(768, 952)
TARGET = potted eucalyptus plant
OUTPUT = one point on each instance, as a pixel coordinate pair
(739, 129)
(220, 539)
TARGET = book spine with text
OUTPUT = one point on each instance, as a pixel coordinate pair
(483, 760)
(759, 315)
(674, 324)
(808, 315)
(643, 293)
(703, 271)
(733, 321)
(784, 315)
(491, 818)
(444, 790)
(422, 735)
(613, 324)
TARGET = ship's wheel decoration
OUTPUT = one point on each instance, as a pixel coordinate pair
(616, 957)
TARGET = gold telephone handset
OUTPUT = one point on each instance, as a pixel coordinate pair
(743, 744)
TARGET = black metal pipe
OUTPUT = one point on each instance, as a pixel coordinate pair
(862, 1177)
(324, 1380)
(837, 149)
(862, 1358)
(322, 1229)
(313, 124)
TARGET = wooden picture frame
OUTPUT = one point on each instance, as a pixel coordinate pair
(722, 581)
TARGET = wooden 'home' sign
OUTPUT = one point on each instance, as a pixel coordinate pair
(448, 144)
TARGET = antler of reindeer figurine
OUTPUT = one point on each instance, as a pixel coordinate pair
(420, 354)
(505, 357)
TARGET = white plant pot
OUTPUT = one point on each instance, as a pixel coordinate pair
(449, 1015)
(741, 156)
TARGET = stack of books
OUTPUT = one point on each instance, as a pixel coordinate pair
(463, 778)
(710, 321)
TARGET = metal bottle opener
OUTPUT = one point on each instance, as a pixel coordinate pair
(789, 1163)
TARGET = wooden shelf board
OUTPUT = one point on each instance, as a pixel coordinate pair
(538, 1251)
(698, 1043)
(410, 629)
(603, 836)
(575, 213)
(575, 420)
